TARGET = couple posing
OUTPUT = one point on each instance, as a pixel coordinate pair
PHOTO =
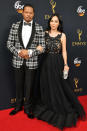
(58, 104)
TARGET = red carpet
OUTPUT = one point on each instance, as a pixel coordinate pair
(20, 122)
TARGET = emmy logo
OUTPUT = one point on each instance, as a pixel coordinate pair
(76, 82)
(79, 34)
(53, 4)
(13, 100)
(18, 7)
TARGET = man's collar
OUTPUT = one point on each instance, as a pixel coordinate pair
(27, 22)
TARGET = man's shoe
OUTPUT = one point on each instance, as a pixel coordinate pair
(15, 111)
(26, 111)
(30, 115)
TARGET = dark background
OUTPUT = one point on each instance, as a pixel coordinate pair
(68, 10)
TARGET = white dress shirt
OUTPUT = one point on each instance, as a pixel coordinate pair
(26, 33)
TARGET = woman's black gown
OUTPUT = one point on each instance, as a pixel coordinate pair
(58, 104)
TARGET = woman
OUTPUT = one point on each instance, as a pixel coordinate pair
(58, 104)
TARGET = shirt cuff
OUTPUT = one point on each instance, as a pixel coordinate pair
(30, 52)
(19, 51)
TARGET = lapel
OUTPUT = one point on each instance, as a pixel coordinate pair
(32, 35)
(20, 33)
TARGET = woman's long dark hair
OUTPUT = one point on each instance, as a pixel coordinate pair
(60, 27)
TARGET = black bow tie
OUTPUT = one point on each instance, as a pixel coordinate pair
(27, 24)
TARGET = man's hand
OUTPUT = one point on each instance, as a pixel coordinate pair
(27, 57)
(24, 54)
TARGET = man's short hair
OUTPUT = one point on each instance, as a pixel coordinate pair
(28, 5)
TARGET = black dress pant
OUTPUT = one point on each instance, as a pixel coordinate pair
(25, 81)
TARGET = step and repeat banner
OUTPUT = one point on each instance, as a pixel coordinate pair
(74, 16)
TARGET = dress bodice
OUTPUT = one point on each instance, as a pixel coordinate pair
(53, 44)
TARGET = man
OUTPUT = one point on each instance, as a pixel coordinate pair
(25, 41)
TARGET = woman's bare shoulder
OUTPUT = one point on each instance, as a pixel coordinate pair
(63, 36)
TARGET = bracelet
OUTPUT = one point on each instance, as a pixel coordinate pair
(65, 64)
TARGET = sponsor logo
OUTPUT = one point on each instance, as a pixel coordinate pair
(80, 11)
(77, 62)
(18, 6)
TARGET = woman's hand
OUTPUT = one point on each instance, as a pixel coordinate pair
(40, 48)
(66, 67)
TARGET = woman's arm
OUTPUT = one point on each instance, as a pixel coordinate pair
(64, 52)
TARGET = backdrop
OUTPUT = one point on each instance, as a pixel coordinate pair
(74, 16)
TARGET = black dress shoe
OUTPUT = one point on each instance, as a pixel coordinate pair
(30, 115)
(15, 111)
(27, 111)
